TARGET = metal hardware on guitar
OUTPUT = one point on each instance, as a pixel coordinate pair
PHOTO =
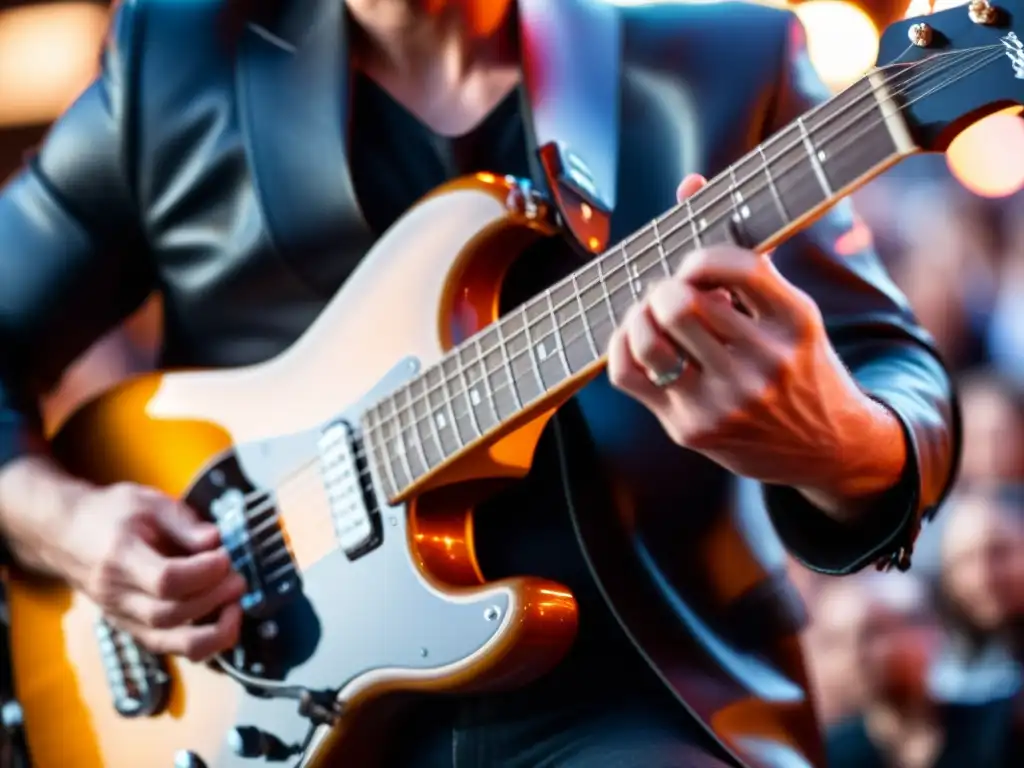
(186, 759)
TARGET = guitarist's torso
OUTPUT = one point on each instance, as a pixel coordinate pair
(246, 172)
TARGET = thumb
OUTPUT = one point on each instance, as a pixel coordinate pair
(689, 185)
(183, 525)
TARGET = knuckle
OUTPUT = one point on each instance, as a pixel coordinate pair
(198, 647)
(123, 493)
(163, 617)
(163, 585)
(102, 585)
(153, 641)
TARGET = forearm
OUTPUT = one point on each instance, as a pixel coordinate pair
(37, 499)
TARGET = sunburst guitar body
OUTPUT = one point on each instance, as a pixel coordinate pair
(342, 473)
(354, 601)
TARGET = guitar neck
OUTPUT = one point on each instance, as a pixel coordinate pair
(552, 345)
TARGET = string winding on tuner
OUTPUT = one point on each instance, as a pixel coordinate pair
(920, 34)
(982, 12)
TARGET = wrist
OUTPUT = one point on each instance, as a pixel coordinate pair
(38, 500)
(868, 463)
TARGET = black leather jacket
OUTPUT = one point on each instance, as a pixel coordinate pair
(209, 161)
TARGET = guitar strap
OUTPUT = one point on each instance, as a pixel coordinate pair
(571, 54)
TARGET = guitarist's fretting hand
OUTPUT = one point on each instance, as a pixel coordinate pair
(147, 561)
(735, 362)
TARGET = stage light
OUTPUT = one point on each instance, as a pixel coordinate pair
(988, 158)
(48, 54)
(842, 40)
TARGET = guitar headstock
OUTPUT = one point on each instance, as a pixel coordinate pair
(948, 70)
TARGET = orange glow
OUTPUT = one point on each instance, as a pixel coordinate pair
(854, 240)
(842, 41)
(48, 55)
(988, 158)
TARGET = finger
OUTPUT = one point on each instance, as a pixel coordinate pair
(750, 274)
(673, 308)
(648, 346)
(172, 578)
(166, 614)
(720, 315)
(689, 185)
(627, 375)
(185, 528)
(195, 641)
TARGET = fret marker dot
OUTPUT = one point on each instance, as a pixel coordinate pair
(738, 196)
(474, 397)
(821, 155)
(703, 223)
(542, 352)
(440, 421)
(745, 211)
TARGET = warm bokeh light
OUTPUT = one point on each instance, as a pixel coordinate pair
(48, 54)
(841, 40)
(988, 158)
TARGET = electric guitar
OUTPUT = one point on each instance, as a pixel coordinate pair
(350, 512)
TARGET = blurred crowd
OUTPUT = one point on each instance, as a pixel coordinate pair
(923, 669)
(914, 670)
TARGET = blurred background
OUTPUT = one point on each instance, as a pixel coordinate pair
(918, 670)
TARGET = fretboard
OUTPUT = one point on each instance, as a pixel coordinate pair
(557, 337)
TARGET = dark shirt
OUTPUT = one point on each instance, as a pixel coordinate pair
(976, 735)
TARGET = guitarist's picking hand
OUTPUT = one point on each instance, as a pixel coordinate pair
(155, 570)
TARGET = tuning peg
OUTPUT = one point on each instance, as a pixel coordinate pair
(920, 34)
(982, 12)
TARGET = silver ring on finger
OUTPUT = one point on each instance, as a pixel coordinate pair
(664, 379)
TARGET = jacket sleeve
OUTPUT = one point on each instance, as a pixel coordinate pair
(892, 358)
(73, 259)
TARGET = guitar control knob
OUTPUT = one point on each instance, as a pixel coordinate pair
(249, 741)
(186, 759)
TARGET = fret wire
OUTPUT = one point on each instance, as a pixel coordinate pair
(771, 185)
(414, 429)
(693, 224)
(431, 417)
(385, 459)
(627, 264)
(446, 391)
(534, 364)
(485, 378)
(400, 441)
(735, 196)
(507, 364)
(662, 257)
(604, 291)
(465, 392)
(556, 334)
(813, 154)
(583, 318)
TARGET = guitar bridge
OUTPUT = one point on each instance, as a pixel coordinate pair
(138, 679)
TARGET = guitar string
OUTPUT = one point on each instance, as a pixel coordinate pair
(413, 400)
(935, 65)
(615, 250)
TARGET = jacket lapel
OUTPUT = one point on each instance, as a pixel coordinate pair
(293, 86)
